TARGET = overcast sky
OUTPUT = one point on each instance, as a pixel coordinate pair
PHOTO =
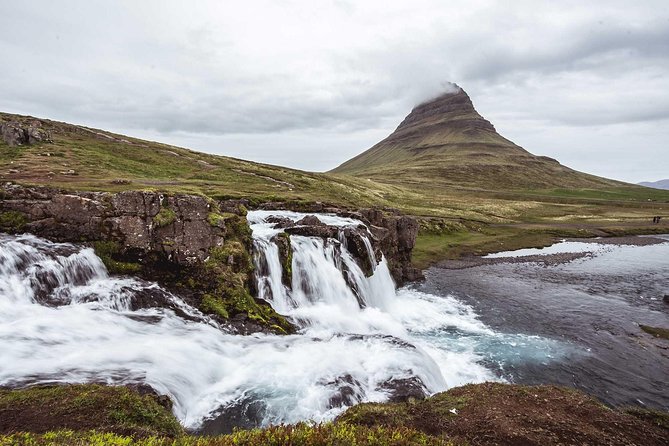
(309, 84)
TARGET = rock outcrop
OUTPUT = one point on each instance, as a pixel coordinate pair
(396, 237)
(198, 247)
(393, 235)
(184, 242)
(19, 134)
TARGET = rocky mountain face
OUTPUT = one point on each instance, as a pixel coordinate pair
(453, 110)
(446, 142)
(15, 133)
(198, 247)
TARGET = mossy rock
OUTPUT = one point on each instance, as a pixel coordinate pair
(107, 251)
(13, 221)
(225, 281)
(164, 217)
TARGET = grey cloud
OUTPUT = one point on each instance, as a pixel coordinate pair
(347, 71)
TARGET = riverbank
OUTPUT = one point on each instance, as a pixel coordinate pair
(482, 414)
(599, 303)
(465, 242)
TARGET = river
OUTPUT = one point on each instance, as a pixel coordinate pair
(64, 319)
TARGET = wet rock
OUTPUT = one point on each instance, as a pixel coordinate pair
(395, 235)
(310, 220)
(354, 239)
(282, 241)
(404, 389)
(666, 299)
(245, 414)
(348, 391)
(317, 230)
(280, 222)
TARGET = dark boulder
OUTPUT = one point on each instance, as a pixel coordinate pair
(318, 230)
(310, 220)
(354, 239)
(247, 413)
(404, 389)
(280, 222)
(347, 391)
(282, 241)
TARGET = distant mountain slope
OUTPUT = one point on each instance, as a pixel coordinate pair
(446, 141)
(661, 184)
(78, 157)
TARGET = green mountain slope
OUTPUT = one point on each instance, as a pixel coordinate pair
(77, 157)
(446, 142)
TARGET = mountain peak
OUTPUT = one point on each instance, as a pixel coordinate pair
(445, 141)
(452, 110)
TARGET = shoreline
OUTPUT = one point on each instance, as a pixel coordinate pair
(470, 261)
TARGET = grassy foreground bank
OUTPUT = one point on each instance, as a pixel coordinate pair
(480, 414)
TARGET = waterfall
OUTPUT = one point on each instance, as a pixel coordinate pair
(64, 319)
(329, 290)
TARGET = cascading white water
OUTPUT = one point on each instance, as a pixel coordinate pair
(63, 319)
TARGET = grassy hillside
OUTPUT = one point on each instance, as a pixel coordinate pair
(90, 159)
(470, 216)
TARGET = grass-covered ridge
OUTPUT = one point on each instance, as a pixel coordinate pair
(480, 414)
(328, 434)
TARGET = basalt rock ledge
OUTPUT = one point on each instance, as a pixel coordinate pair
(195, 246)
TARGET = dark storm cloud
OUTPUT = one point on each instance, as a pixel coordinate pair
(286, 75)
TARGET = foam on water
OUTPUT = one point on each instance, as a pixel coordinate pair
(63, 319)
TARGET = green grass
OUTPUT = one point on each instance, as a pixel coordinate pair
(12, 221)
(328, 434)
(113, 409)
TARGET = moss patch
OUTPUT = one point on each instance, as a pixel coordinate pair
(164, 217)
(225, 280)
(107, 250)
(12, 221)
(83, 407)
(662, 333)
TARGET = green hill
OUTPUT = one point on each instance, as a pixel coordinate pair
(77, 157)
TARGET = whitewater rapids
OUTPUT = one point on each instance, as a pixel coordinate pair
(63, 319)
